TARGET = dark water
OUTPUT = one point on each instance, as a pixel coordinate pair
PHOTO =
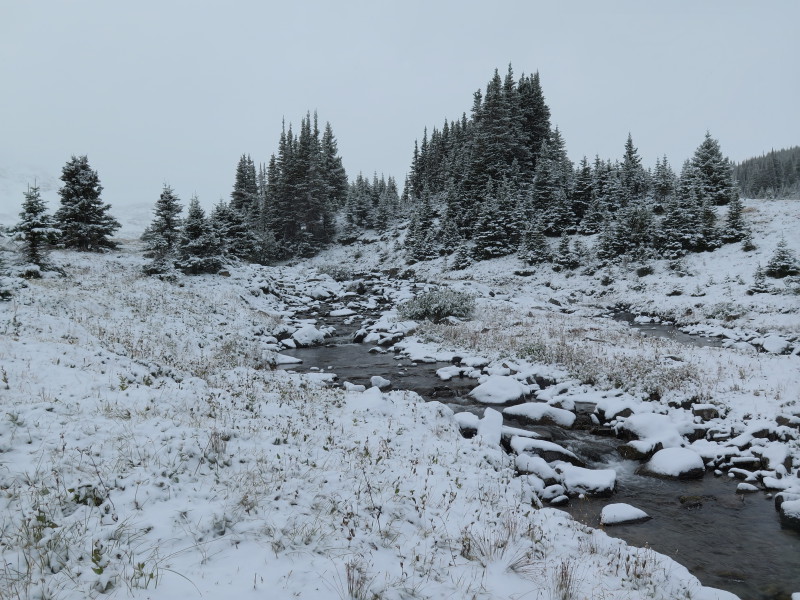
(729, 541)
(667, 331)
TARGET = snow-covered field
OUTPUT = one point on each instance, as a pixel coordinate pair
(149, 449)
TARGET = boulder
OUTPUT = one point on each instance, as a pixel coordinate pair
(308, 335)
(380, 382)
(499, 389)
(541, 413)
(705, 411)
(790, 514)
(622, 514)
(639, 449)
(549, 451)
(675, 463)
(490, 427)
(592, 482)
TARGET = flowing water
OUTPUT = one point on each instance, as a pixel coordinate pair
(727, 540)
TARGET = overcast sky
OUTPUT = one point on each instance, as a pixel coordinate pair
(175, 92)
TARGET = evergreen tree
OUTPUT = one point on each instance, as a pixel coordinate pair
(783, 262)
(534, 248)
(593, 219)
(760, 285)
(449, 237)
(200, 249)
(244, 196)
(161, 237)
(634, 177)
(748, 245)
(735, 227)
(564, 257)
(664, 182)
(420, 242)
(83, 218)
(461, 259)
(35, 228)
(714, 173)
(237, 238)
(583, 191)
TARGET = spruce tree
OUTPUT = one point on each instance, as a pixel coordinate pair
(161, 237)
(200, 250)
(564, 257)
(534, 248)
(714, 173)
(83, 218)
(35, 229)
(735, 227)
(461, 259)
(783, 262)
(634, 177)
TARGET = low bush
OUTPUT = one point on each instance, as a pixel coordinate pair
(438, 305)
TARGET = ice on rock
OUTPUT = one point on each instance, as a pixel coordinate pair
(679, 463)
(499, 389)
(621, 513)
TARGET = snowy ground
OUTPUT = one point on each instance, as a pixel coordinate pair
(148, 450)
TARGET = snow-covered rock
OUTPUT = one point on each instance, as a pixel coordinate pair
(538, 412)
(549, 451)
(352, 387)
(593, 482)
(678, 463)
(380, 382)
(621, 513)
(499, 389)
(774, 344)
(536, 465)
(490, 427)
(342, 312)
(308, 335)
(283, 359)
(790, 513)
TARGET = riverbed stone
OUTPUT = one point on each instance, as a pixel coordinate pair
(705, 411)
(591, 482)
(622, 514)
(639, 449)
(380, 382)
(790, 514)
(549, 451)
(675, 463)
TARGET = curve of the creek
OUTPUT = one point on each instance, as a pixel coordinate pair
(727, 540)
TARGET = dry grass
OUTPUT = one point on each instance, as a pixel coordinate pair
(606, 354)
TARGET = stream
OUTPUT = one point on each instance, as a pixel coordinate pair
(727, 540)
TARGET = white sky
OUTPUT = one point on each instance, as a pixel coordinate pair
(168, 91)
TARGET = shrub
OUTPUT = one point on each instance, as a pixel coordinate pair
(438, 305)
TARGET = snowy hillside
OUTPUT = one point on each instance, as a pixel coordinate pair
(149, 451)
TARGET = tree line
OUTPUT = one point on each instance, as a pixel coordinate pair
(500, 182)
(772, 175)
